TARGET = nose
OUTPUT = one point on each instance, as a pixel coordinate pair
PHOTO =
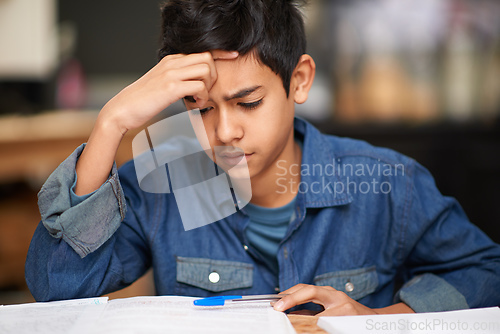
(228, 129)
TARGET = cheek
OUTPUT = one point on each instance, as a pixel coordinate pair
(278, 115)
(209, 129)
(272, 128)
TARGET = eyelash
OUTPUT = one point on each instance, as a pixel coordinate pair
(248, 106)
(251, 105)
(205, 110)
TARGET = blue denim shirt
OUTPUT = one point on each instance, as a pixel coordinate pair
(368, 221)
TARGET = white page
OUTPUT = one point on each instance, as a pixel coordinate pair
(473, 321)
(169, 314)
(166, 314)
(70, 316)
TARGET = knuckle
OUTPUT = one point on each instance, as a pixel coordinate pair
(167, 73)
(206, 69)
(341, 294)
(170, 74)
(348, 308)
(164, 59)
(169, 86)
(199, 86)
(310, 287)
(167, 58)
(207, 56)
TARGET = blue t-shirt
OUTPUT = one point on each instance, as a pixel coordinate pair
(266, 229)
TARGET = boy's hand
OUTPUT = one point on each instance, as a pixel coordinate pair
(174, 77)
(335, 302)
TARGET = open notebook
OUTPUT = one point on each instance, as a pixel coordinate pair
(162, 314)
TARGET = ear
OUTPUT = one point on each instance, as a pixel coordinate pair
(302, 78)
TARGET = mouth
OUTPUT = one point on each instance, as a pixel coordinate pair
(232, 158)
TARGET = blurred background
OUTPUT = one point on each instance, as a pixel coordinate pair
(418, 76)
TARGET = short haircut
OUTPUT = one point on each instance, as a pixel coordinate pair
(274, 29)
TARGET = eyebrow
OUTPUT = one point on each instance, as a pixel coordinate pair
(238, 95)
(242, 93)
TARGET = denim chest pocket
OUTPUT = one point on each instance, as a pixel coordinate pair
(214, 275)
(356, 283)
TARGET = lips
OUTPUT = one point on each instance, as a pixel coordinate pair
(231, 154)
(231, 157)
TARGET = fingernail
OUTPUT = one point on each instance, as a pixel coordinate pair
(279, 306)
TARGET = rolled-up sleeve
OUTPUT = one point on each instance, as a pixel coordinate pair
(449, 263)
(73, 218)
(430, 293)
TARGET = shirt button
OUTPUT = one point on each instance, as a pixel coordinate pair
(277, 290)
(245, 247)
(214, 277)
(349, 287)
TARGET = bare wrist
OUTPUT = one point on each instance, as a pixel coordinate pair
(108, 126)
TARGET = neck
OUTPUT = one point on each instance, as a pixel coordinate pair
(275, 187)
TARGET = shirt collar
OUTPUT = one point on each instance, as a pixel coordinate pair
(321, 186)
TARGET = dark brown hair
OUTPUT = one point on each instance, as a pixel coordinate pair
(273, 29)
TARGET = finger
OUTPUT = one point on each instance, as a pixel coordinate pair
(308, 293)
(293, 289)
(291, 299)
(288, 291)
(195, 88)
(206, 57)
(186, 61)
(201, 97)
(195, 72)
(171, 57)
(223, 54)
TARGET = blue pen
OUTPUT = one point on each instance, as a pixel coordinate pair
(221, 300)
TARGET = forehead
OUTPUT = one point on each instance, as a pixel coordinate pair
(243, 72)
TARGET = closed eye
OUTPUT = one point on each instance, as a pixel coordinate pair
(205, 110)
(251, 105)
(191, 99)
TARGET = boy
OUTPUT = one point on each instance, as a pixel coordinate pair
(336, 222)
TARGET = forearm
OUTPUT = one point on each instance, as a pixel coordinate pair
(95, 163)
(174, 77)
